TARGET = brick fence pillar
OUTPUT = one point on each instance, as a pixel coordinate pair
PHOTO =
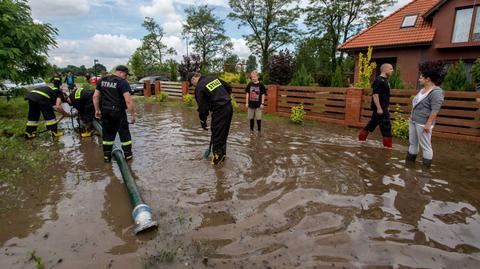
(185, 87)
(146, 88)
(272, 101)
(353, 107)
(157, 87)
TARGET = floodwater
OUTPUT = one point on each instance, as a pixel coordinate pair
(294, 197)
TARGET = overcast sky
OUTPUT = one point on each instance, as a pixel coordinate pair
(110, 30)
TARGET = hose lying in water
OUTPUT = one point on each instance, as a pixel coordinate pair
(142, 213)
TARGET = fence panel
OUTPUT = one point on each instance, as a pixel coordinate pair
(174, 89)
(319, 102)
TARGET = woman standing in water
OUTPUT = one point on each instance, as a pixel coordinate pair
(425, 107)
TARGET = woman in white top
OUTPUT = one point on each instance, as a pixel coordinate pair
(425, 107)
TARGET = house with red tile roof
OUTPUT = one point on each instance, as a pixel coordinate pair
(422, 30)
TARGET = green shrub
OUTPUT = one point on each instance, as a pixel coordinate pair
(395, 80)
(456, 78)
(188, 100)
(476, 72)
(242, 79)
(302, 77)
(162, 97)
(365, 69)
(235, 106)
(297, 114)
(230, 77)
(399, 124)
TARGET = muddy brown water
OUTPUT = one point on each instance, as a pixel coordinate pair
(294, 197)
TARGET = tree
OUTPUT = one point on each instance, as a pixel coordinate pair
(281, 67)
(172, 69)
(191, 63)
(24, 44)
(98, 68)
(207, 31)
(231, 62)
(243, 78)
(456, 78)
(272, 23)
(153, 45)
(337, 79)
(251, 64)
(476, 73)
(339, 20)
(302, 77)
(365, 69)
(395, 79)
(313, 54)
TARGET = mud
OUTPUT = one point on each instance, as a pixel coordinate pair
(292, 197)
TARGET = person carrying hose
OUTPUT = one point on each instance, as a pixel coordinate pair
(44, 100)
(213, 95)
(82, 100)
(111, 98)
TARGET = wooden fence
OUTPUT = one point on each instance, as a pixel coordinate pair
(458, 119)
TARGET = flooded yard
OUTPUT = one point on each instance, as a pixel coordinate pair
(293, 197)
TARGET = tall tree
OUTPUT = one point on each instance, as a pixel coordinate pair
(251, 63)
(208, 33)
(153, 44)
(272, 23)
(230, 63)
(339, 20)
(313, 54)
(281, 67)
(24, 43)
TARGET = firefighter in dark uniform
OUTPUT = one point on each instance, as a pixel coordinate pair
(111, 98)
(82, 100)
(213, 95)
(56, 80)
(44, 100)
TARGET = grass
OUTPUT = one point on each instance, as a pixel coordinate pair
(17, 155)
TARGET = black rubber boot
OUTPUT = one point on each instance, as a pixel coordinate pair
(411, 157)
(427, 163)
(107, 157)
(128, 155)
(259, 125)
(252, 124)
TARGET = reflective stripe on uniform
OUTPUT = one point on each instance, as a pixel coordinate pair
(41, 93)
(32, 123)
(213, 85)
(127, 143)
(107, 143)
(78, 93)
(51, 122)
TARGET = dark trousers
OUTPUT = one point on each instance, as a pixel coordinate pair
(221, 120)
(86, 116)
(114, 121)
(380, 120)
(34, 110)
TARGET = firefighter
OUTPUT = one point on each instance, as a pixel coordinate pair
(82, 100)
(213, 95)
(44, 100)
(111, 98)
(56, 80)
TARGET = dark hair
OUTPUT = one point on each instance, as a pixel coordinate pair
(434, 70)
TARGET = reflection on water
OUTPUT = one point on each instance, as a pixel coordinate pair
(306, 197)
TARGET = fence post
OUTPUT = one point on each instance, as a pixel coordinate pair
(147, 91)
(157, 88)
(185, 87)
(353, 107)
(272, 101)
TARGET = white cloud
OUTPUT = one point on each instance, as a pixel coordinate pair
(395, 7)
(165, 11)
(110, 50)
(112, 46)
(240, 48)
(59, 8)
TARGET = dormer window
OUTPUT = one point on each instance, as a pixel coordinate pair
(409, 21)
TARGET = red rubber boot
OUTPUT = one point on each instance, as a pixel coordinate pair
(387, 142)
(362, 136)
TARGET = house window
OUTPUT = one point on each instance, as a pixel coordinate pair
(476, 27)
(463, 21)
(409, 21)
